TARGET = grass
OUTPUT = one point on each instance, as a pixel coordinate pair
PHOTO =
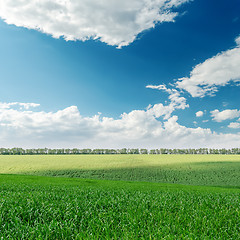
(41, 207)
(61, 208)
(213, 170)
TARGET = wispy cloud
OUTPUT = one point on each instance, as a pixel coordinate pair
(176, 100)
(113, 22)
(18, 104)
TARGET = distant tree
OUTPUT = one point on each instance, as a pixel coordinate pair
(143, 151)
(152, 151)
(133, 151)
(85, 151)
(122, 151)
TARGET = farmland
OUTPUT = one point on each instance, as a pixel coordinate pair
(88, 198)
(214, 170)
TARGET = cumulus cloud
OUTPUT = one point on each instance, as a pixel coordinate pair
(199, 114)
(207, 77)
(234, 125)
(225, 115)
(139, 128)
(113, 22)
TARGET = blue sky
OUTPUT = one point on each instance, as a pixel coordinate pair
(71, 81)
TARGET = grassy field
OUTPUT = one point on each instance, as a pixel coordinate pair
(150, 207)
(214, 170)
(61, 208)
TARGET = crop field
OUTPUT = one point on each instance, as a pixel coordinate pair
(120, 197)
(214, 170)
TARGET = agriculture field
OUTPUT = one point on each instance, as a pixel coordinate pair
(85, 201)
(63, 208)
(214, 170)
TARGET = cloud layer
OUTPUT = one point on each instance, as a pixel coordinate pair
(139, 128)
(111, 21)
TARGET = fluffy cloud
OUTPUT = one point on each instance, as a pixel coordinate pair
(139, 128)
(234, 125)
(114, 22)
(225, 115)
(207, 77)
(199, 114)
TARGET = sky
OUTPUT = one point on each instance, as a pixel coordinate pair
(114, 74)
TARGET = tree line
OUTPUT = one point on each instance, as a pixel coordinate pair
(47, 151)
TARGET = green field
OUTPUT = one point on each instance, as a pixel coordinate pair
(203, 202)
(212, 170)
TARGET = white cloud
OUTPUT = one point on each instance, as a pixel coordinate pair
(176, 100)
(139, 128)
(199, 114)
(111, 21)
(237, 40)
(225, 115)
(234, 125)
(207, 77)
(18, 104)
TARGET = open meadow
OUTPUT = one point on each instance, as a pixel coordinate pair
(120, 197)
